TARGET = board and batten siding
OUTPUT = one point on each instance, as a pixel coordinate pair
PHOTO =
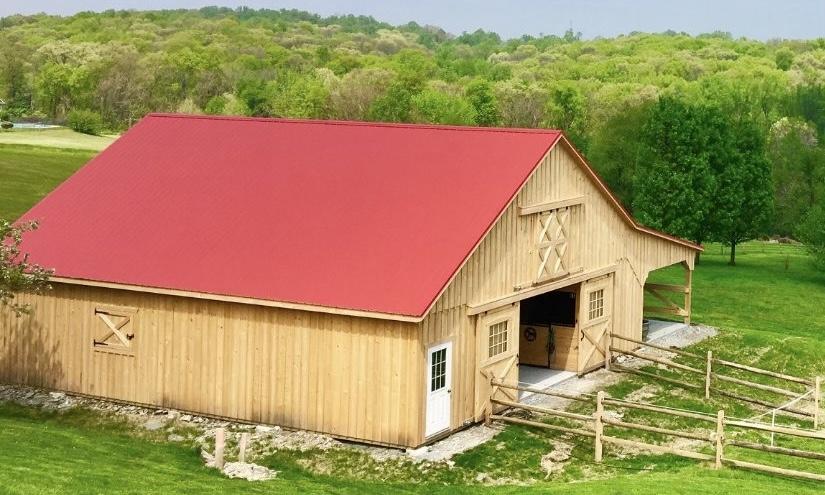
(507, 257)
(347, 376)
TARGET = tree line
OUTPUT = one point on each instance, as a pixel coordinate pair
(707, 137)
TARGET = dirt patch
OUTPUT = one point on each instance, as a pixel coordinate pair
(554, 461)
(643, 394)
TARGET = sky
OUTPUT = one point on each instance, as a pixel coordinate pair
(759, 19)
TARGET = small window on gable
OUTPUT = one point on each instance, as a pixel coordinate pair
(115, 332)
(596, 308)
(498, 340)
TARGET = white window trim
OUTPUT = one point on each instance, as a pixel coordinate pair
(488, 323)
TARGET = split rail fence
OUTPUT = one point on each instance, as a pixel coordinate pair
(713, 379)
(718, 435)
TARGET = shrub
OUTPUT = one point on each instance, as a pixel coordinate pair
(812, 233)
(85, 121)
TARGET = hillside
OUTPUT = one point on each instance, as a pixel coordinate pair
(602, 92)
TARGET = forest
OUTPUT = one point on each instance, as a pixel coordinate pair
(708, 137)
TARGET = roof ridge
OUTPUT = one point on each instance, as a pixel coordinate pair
(358, 123)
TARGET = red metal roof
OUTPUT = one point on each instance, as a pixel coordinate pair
(359, 216)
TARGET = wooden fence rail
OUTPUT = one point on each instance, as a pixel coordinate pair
(715, 435)
(812, 386)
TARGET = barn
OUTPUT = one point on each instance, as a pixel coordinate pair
(359, 279)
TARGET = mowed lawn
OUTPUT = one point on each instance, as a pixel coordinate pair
(769, 309)
(56, 138)
(28, 173)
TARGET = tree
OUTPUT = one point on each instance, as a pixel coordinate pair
(675, 183)
(743, 200)
(17, 274)
(568, 112)
(432, 106)
(480, 95)
(798, 172)
(812, 232)
(393, 106)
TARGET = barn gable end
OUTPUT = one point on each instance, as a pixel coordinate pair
(600, 241)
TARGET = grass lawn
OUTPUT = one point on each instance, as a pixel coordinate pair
(56, 138)
(28, 173)
(769, 309)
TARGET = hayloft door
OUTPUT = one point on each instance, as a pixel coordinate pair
(439, 362)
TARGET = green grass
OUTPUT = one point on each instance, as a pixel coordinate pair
(28, 173)
(768, 307)
(56, 138)
(80, 452)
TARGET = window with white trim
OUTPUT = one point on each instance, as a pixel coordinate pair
(498, 340)
(596, 307)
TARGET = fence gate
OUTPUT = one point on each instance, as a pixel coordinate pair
(595, 322)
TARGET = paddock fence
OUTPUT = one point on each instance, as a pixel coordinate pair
(714, 432)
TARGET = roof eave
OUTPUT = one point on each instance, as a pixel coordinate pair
(240, 300)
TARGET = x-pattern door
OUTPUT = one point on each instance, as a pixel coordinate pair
(115, 335)
(552, 244)
(595, 321)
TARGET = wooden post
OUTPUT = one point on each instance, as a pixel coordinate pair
(489, 409)
(688, 291)
(242, 447)
(817, 393)
(720, 438)
(607, 356)
(599, 425)
(708, 373)
(220, 443)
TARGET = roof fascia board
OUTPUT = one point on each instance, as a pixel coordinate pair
(239, 300)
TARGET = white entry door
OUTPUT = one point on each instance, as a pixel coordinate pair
(439, 362)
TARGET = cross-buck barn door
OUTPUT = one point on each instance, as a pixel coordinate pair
(439, 378)
(595, 322)
(497, 354)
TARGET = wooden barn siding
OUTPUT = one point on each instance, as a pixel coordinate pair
(506, 257)
(347, 376)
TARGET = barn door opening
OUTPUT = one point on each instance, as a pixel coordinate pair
(439, 377)
(595, 322)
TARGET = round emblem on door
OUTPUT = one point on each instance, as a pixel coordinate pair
(530, 334)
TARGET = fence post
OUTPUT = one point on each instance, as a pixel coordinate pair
(609, 337)
(707, 374)
(817, 393)
(720, 437)
(242, 447)
(220, 443)
(599, 426)
(489, 412)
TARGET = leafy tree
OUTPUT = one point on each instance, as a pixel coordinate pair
(784, 58)
(812, 232)
(438, 107)
(798, 172)
(568, 112)
(480, 95)
(521, 104)
(298, 96)
(352, 96)
(617, 150)
(675, 182)
(393, 106)
(17, 274)
(743, 200)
